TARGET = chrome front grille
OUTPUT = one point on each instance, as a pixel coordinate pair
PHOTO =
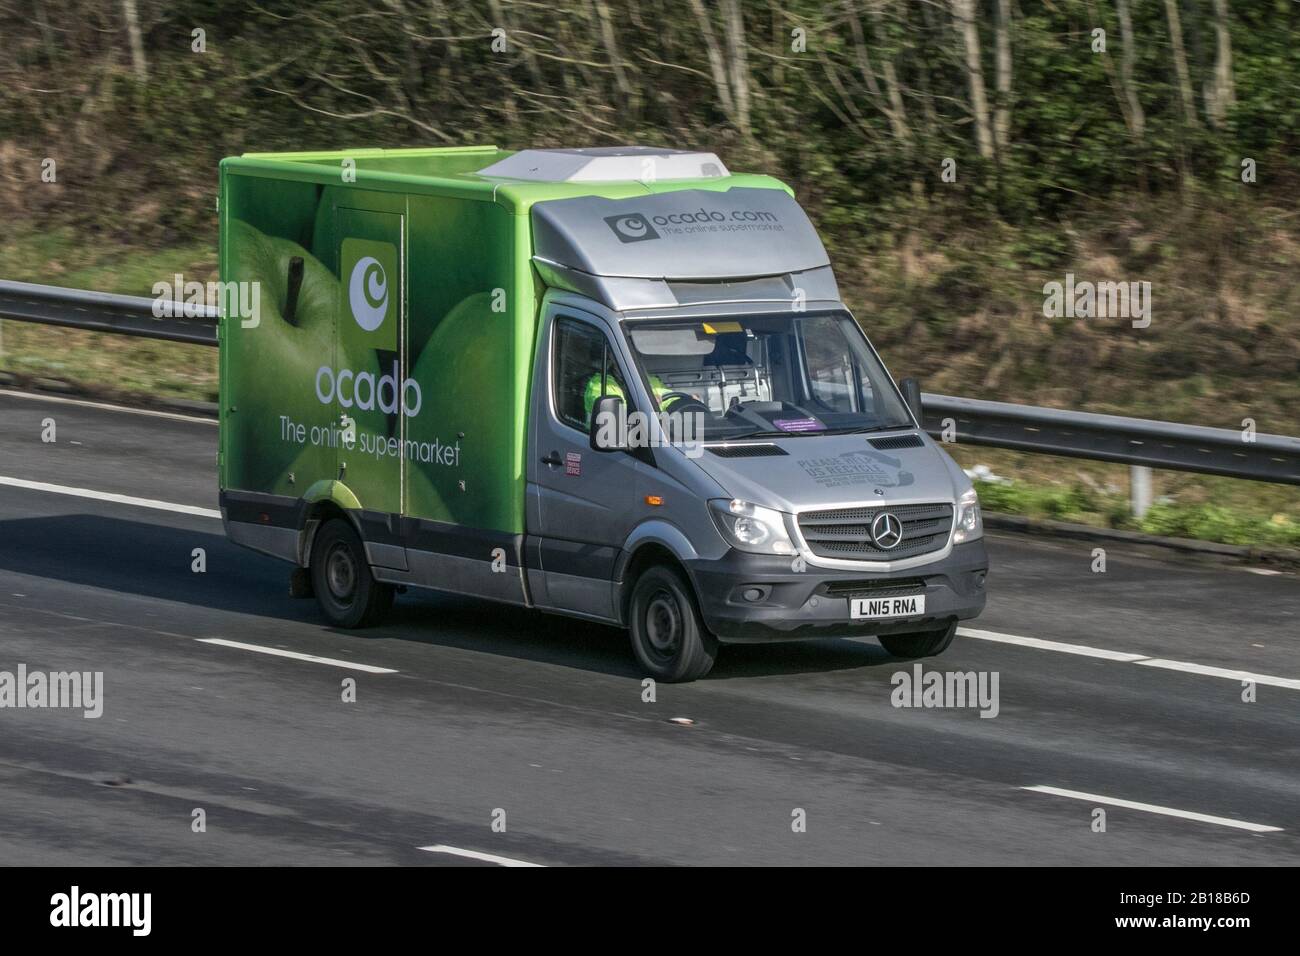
(845, 533)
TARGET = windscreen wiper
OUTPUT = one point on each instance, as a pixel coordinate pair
(860, 430)
(813, 433)
(770, 433)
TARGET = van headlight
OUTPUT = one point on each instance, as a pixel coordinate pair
(748, 527)
(969, 523)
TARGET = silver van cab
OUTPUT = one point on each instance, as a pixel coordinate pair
(717, 454)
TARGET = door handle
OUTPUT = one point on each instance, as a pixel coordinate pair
(553, 459)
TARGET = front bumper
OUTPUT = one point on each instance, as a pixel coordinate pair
(815, 602)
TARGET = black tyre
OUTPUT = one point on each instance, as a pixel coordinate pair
(346, 591)
(919, 643)
(668, 636)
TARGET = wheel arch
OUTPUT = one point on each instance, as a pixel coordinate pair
(322, 502)
(650, 544)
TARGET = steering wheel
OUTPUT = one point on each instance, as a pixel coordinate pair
(680, 397)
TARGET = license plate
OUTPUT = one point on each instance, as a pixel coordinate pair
(871, 609)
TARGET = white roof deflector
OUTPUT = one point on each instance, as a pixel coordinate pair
(606, 164)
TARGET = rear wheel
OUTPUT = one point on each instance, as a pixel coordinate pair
(919, 643)
(668, 635)
(346, 591)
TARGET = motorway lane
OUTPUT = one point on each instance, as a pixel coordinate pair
(503, 708)
(139, 453)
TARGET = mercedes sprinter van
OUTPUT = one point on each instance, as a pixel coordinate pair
(613, 383)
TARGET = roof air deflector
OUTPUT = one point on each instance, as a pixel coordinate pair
(606, 164)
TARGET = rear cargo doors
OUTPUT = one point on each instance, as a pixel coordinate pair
(370, 370)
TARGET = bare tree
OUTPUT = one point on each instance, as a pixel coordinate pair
(736, 48)
(964, 16)
(1180, 61)
(133, 34)
(889, 101)
(1121, 83)
(729, 68)
(1220, 92)
(610, 40)
(1134, 117)
(892, 86)
(1002, 115)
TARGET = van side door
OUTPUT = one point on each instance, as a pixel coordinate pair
(372, 340)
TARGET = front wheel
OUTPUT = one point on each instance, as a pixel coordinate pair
(668, 636)
(919, 643)
(346, 591)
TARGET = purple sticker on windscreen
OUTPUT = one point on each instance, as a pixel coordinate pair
(799, 424)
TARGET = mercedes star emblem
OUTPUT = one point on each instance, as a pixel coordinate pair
(886, 530)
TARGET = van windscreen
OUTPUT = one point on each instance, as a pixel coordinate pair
(768, 375)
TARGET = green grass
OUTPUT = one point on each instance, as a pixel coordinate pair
(1215, 523)
(62, 256)
(114, 366)
(1172, 519)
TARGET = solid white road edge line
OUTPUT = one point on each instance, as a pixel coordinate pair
(1152, 808)
(1042, 645)
(276, 652)
(1124, 657)
(110, 496)
(1288, 682)
(107, 406)
(476, 855)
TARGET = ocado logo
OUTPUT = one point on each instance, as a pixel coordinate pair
(631, 227)
(360, 390)
(368, 293)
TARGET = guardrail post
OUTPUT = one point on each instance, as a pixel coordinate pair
(1139, 481)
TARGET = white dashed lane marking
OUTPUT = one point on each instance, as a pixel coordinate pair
(111, 497)
(312, 658)
(476, 855)
(1152, 808)
(1125, 657)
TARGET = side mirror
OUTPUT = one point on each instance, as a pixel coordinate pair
(911, 389)
(608, 427)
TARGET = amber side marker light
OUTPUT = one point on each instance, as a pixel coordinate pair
(653, 500)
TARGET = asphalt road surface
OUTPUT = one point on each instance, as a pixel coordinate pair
(468, 713)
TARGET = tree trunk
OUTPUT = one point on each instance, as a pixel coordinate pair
(730, 79)
(890, 104)
(897, 111)
(735, 30)
(1002, 116)
(1137, 120)
(133, 34)
(610, 39)
(1221, 96)
(1180, 61)
(964, 16)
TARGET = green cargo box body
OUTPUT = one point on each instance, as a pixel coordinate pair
(386, 236)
